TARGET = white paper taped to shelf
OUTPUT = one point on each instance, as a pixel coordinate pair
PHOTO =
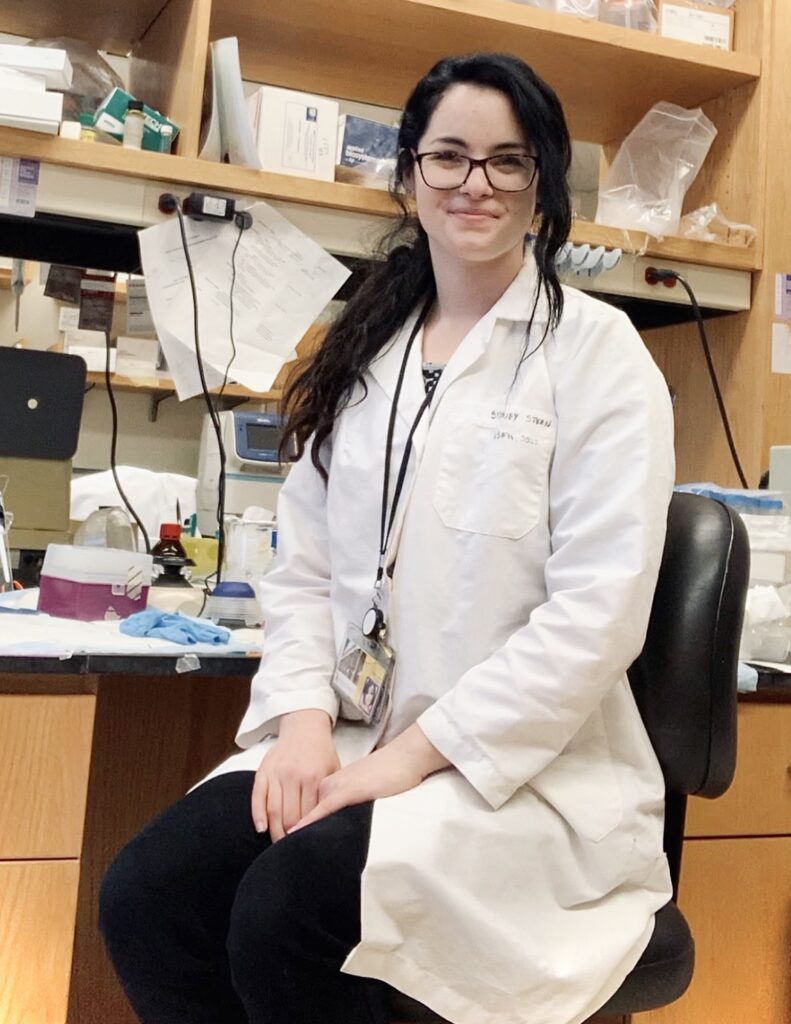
(283, 281)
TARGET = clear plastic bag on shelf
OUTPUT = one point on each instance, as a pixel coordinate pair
(93, 77)
(637, 14)
(581, 8)
(766, 634)
(644, 188)
(709, 224)
(371, 174)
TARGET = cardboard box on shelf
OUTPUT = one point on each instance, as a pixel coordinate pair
(367, 151)
(33, 110)
(693, 22)
(296, 133)
(51, 63)
(112, 111)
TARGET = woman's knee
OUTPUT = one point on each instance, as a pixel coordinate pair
(126, 900)
(302, 896)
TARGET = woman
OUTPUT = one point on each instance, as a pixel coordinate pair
(502, 814)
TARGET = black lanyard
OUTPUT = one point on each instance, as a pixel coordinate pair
(387, 524)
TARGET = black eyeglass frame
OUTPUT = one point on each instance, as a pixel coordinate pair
(472, 163)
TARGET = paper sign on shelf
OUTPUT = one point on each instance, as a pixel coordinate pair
(138, 312)
(283, 281)
(18, 186)
(783, 296)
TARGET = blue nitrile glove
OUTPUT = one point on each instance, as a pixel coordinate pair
(179, 629)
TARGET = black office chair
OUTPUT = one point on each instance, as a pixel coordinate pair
(685, 685)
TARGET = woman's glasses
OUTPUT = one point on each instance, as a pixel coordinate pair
(507, 172)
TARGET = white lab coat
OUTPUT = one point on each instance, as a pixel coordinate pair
(519, 886)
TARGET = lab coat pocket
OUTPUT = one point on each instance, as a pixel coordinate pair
(493, 471)
(582, 783)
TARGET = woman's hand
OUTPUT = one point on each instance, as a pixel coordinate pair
(395, 768)
(286, 786)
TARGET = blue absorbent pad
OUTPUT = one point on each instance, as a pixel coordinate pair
(178, 629)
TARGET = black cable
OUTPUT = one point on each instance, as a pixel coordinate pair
(242, 226)
(665, 275)
(114, 443)
(207, 398)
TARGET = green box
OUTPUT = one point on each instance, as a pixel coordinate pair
(110, 118)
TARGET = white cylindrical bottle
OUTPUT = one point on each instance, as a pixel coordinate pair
(133, 125)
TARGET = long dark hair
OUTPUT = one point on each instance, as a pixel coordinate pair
(404, 277)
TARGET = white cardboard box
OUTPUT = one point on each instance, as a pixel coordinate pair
(10, 78)
(705, 24)
(37, 111)
(296, 133)
(52, 63)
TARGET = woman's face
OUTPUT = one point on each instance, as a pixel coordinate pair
(475, 222)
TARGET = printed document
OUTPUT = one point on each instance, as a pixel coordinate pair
(283, 281)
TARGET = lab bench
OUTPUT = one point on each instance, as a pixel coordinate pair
(93, 747)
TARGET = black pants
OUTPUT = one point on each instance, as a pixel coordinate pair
(208, 922)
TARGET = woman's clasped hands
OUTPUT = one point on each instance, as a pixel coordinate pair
(300, 779)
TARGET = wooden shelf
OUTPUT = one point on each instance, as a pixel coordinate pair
(607, 77)
(685, 250)
(162, 386)
(105, 159)
(113, 27)
(98, 158)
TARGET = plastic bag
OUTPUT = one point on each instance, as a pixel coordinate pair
(766, 634)
(709, 224)
(93, 77)
(582, 8)
(637, 14)
(657, 162)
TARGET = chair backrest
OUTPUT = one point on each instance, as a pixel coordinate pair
(685, 678)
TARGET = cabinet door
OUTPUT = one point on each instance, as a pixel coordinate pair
(37, 906)
(759, 801)
(45, 749)
(736, 896)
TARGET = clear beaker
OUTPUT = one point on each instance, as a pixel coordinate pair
(248, 549)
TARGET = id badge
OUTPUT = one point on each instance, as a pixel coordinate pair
(362, 677)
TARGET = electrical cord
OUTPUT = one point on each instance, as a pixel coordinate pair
(668, 275)
(213, 417)
(243, 220)
(242, 224)
(114, 444)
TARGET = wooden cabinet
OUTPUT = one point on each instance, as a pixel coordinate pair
(736, 885)
(85, 760)
(38, 902)
(606, 76)
(45, 744)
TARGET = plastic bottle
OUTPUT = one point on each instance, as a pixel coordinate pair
(169, 544)
(133, 125)
(106, 528)
(165, 138)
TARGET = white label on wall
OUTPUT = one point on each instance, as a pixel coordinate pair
(781, 348)
(693, 25)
